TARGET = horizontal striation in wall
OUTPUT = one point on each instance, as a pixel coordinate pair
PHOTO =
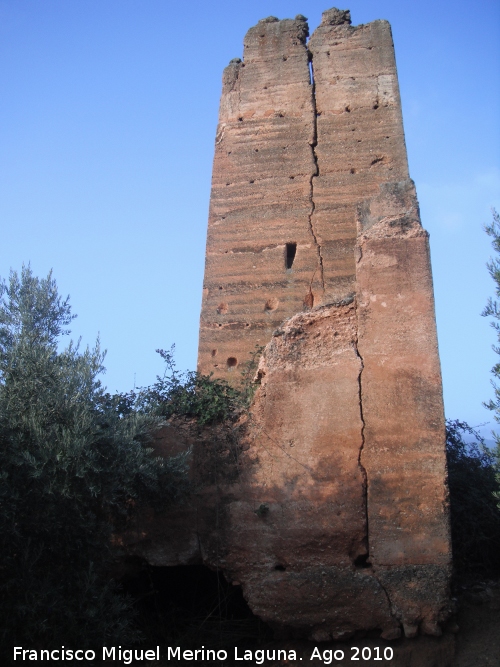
(294, 158)
(260, 258)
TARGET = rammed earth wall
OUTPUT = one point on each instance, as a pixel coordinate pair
(336, 520)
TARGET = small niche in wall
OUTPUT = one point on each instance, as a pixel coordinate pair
(222, 308)
(271, 304)
(290, 251)
(232, 362)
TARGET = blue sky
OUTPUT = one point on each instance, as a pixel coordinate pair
(107, 124)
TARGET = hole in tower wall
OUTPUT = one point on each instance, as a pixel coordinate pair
(362, 561)
(290, 252)
(192, 601)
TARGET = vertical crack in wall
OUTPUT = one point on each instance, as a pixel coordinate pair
(366, 559)
(314, 174)
(389, 604)
(360, 453)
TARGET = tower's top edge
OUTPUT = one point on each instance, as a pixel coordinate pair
(275, 19)
(336, 16)
(331, 16)
(278, 29)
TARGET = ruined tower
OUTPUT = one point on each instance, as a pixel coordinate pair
(315, 250)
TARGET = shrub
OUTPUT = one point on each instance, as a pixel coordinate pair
(205, 399)
(189, 394)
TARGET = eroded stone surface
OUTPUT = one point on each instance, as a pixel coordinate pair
(360, 141)
(293, 159)
(404, 456)
(302, 465)
(261, 197)
(328, 505)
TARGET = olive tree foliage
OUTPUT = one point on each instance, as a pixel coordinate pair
(493, 310)
(74, 465)
(473, 485)
(190, 394)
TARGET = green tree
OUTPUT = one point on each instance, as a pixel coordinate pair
(74, 464)
(475, 517)
(493, 310)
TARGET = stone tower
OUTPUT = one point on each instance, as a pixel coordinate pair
(316, 252)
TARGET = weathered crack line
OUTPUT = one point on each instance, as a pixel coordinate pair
(362, 468)
(360, 464)
(389, 603)
(314, 174)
